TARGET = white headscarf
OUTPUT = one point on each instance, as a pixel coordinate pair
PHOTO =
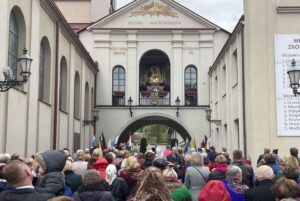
(111, 173)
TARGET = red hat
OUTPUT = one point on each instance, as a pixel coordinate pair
(214, 191)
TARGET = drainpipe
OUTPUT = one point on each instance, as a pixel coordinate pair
(243, 89)
(54, 140)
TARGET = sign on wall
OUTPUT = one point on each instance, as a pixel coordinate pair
(287, 48)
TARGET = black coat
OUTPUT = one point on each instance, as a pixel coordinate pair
(92, 193)
(26, 194)
(119, 189)
(73, 180)
(262, 192)
(215, 175)
(247, 173)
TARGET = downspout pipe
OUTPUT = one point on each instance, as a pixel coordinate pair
(243, 90)
(55, 118)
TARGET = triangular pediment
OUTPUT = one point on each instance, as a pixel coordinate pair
(153, 14)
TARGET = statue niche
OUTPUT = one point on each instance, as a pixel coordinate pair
(155, 78)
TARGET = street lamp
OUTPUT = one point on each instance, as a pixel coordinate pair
(92, 121)
(294, 75)
(10, 80)
(208, 118)
(177, 101)
(130, 104)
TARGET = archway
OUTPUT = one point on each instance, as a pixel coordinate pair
(154, 82)
(150, 120)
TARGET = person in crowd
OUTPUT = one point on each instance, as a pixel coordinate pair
(180, 155)
(247, 170)
(100, 165)
(68, 154)
(87, 157)
(294, 153)
(110, 157)
(151, 187)
(79, 166)
(29, 162)
(149, 157)
(212, 154)
(291, 161)
(179, 191)
(61, 198)
(277, 158)
(127, 154)
(167, 151)
(4, 159)
(196, 176)
(131, 172)
(92, 188)
(51, 164)
(119, 158)
(18, 175)
(214, 190)
(292, 173)
(95, 155)
(219, 173)
(160, 163)
(285, 188)
(262, 191)
(261, 157)
(175, 159)
(71, 179)
(117, 185)
(270, 160)
(233, 183)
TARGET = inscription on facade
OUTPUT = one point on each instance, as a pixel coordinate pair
(288, 106)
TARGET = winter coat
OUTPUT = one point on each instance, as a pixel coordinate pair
(194, 181)
(119, 189)
(100, 165)
(25, 194)
(53, 180)
(179, 191)
(262, 192)
(235, 190)
(214, 191)
(219, 173)
(73, 180)
(4, 185)
(93, 193)
(131, 176)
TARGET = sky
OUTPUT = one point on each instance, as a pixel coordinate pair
(224, 13)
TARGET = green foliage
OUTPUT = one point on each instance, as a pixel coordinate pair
(143, 145)
(174, 142)
(156, 133)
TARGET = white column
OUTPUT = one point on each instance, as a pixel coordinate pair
(176, 68)
(132, 72)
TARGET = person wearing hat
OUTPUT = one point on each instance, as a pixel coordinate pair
(51, 180)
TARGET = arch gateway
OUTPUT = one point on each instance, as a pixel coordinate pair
(153, 57)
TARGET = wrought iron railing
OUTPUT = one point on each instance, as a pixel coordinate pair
(147, 101)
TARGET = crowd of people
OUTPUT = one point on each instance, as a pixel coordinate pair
(121, 175)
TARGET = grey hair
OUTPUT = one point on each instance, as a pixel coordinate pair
(264, 172)
(91, 177)
(196, 159)
(233, 173)
(4, 158)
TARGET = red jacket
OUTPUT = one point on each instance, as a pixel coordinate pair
(100, 165)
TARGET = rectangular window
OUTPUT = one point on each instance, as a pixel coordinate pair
(237, 133)
(234, 68)
(224, 80)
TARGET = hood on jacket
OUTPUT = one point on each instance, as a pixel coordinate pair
(100, 165)
(52, 160)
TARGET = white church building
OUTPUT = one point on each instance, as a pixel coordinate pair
(150, 54)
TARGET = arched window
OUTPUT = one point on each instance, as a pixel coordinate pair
(44, 71)
(86, 102)
(16, 38)
(190, 85)
(77, 96)
(63, 85)
(118, 86)
(13, 42)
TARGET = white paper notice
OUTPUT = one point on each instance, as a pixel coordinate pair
(287, 48)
